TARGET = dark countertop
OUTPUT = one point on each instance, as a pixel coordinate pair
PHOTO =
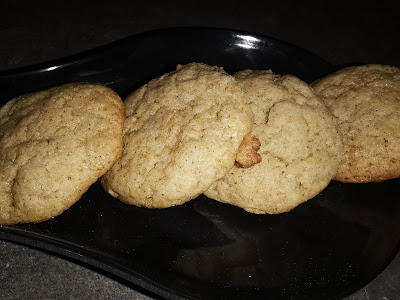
(38, 31)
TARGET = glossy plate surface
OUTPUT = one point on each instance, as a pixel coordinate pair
(326, 248)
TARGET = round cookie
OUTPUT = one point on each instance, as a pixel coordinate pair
(181, 133)
(366, 101)
(53, 145)
(300, 147)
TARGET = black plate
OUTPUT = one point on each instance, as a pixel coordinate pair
(326, 248)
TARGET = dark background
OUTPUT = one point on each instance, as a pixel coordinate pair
(38, 31)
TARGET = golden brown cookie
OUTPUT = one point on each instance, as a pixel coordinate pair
(181, 133)
(300, 146)
(366, 101)
(53, 145)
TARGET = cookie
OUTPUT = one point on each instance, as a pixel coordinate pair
(300, 147)
(54, 144)
(181, 133)
(366, 101)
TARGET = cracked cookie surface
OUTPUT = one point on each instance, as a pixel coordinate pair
(181, 133)
(300, 146)
(366, 101)
(53, 145)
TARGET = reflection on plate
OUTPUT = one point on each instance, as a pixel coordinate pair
(326, 248)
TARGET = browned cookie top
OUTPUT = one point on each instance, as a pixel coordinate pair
(53, 145)
(181, 133)
(366, 101)
(299, 146)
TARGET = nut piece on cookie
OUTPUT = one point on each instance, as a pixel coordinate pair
(366, 101)
(300, 147)
(182, 132)
(247, 155)
(54, 144)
